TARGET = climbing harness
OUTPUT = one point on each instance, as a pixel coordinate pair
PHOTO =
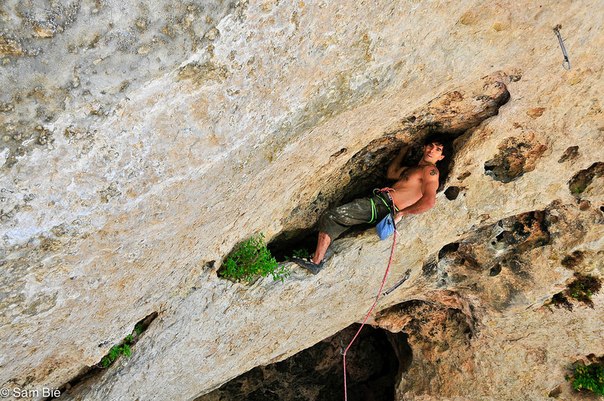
(384, 195)
(387, 201)
(370, 309)
(566, 63)
(386, 226)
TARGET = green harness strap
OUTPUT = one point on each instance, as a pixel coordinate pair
(373, 211)
(374, 208)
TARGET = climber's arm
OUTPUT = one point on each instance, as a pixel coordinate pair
(395, 169)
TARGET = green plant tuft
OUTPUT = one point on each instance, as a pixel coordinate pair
(115, 352)
(138, 328)
(124, 348)
(589, 377)
(578, 189)
(250, 259)
(583, 288)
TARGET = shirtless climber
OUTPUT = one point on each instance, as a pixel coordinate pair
(414, 193)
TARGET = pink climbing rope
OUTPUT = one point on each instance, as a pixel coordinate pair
(369, 313)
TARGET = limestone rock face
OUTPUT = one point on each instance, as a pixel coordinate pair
(490, 323)
(141, 141)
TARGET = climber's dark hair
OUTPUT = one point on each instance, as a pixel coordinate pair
(445, 164)
(438, 139)
(444, 140)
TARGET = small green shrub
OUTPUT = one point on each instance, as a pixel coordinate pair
(118, 350)
(139, 328)
(250, 259)
(589, 377)
(125, 346)
(583, 288)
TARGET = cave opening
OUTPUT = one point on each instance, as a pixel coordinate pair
(374, 365)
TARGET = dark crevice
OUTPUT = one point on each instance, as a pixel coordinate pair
(495, 270)
(288, 243)
(402, 348)
(92, 371)
(449, 248)
(580, 181)
(316, 373)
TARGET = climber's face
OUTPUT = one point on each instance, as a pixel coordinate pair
(433, 152)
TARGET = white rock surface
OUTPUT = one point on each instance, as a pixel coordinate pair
(117, 195)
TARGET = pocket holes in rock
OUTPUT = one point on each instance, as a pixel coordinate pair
(573, 260)
(582, 179)
(569, 154)
(495, 270)
(449, 248)
(452, 192)
(338, 153)
(463, 176)
(516, 157)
